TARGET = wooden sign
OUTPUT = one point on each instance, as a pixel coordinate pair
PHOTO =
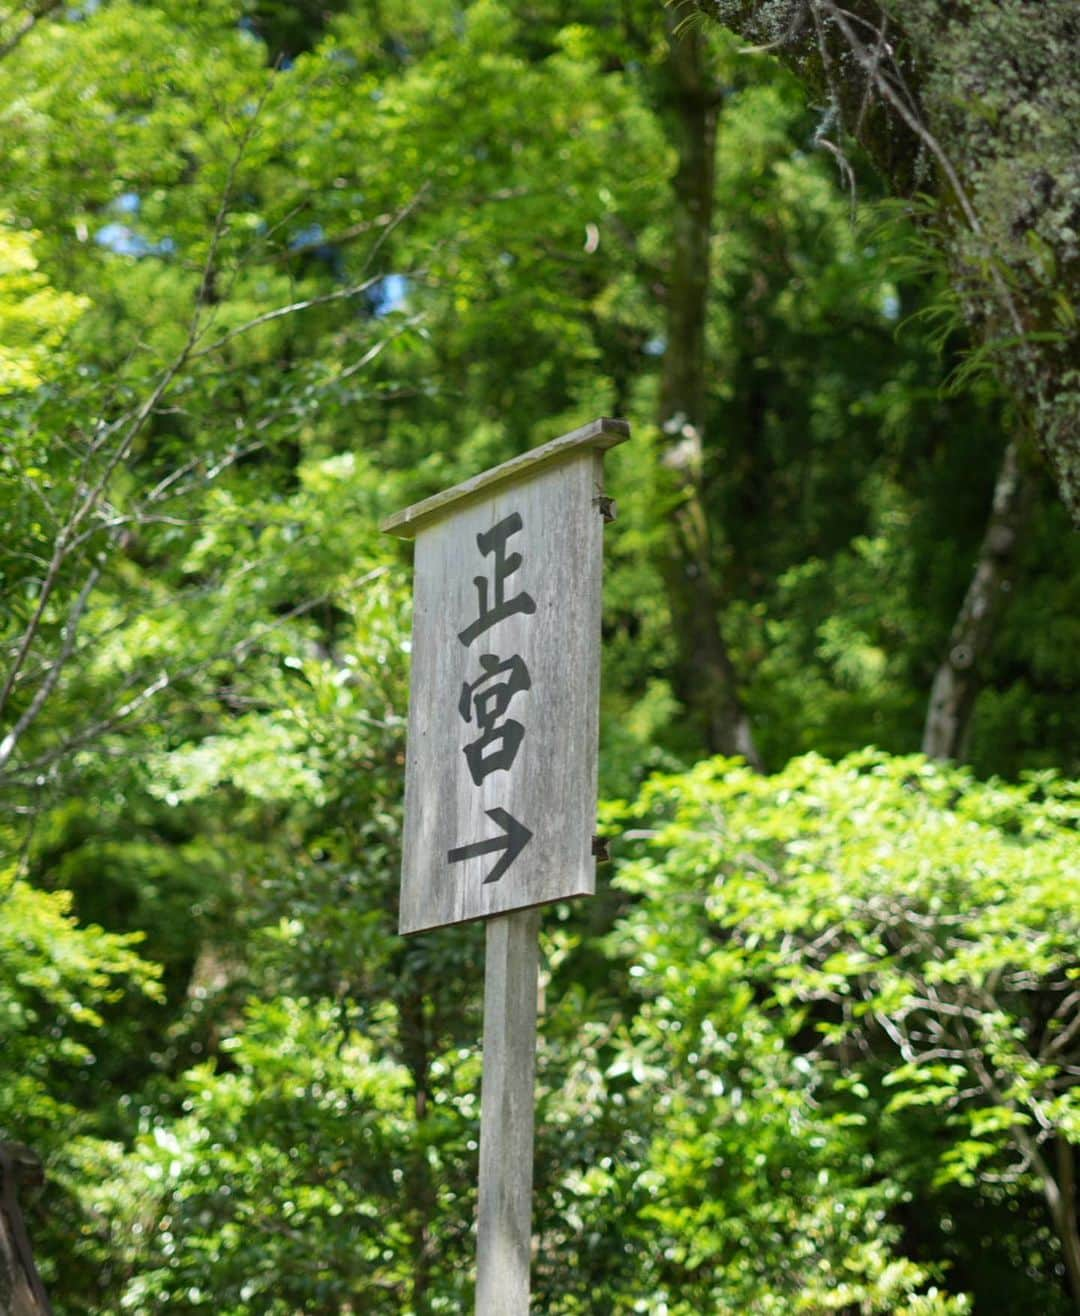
(500, 777)
(500, 782)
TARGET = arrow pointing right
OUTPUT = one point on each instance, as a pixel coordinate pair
(515, 838)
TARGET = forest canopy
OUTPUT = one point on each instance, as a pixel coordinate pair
(270, 272)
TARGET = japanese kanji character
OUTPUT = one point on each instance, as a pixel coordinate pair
(487, 698)
(493, 603)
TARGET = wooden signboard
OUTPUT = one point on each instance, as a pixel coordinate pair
(500, 777)
(500, 783)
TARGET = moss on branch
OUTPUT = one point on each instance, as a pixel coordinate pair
(977, 103)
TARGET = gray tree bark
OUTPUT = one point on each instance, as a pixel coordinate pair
(956, 682)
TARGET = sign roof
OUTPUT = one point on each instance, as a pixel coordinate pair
(599, 434)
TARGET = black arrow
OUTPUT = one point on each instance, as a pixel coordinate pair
(516, 837)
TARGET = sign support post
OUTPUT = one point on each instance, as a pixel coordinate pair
(504, 1240)
(500, 778)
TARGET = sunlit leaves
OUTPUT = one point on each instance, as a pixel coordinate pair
(880, 945)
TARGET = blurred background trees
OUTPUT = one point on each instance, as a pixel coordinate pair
(268, 272)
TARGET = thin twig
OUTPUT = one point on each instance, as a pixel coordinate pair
(45, 689)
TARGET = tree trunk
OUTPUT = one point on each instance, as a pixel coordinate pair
(1059, 1190)
(418, 1183)
(956, 683)
(705, 675)
(1063, 1207)
(21, 1290)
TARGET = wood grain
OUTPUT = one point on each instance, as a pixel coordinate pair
(597, 435)
(551, 786)
(504, 1242)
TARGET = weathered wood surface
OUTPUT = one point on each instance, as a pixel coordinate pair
(598, 435)
(504, 1243)
(545, 800)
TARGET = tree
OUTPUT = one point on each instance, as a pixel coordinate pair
(955, 686)
(903, 938)
(385, 246)
(58, 994)
(978, 105)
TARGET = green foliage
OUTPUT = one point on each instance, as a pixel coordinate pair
(34, 316)
(264, 1195)
(874, 962)
(998, 96)
(63, 992)
(987, 125)
(250, 306)
(59, 980)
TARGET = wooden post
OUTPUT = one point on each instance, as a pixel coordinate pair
(500, 779)
(504, 1243)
